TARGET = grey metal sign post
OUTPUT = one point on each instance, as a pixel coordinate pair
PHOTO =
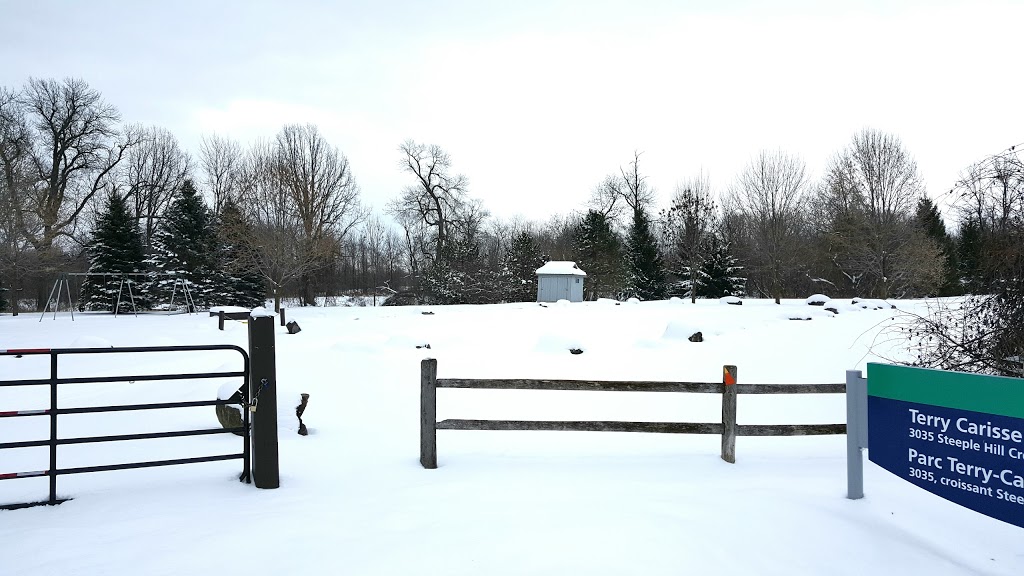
(856, 432)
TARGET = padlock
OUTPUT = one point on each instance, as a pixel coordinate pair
(252, 408)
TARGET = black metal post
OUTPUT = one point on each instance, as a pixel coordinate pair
(220, 320)
(263, 400)
(283, 322)
(52, 472)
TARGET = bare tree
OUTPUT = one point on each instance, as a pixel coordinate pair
(153, 171)
(76, 147)
(15, 146)
(434, 206)
(222, 161)
(301, 198)
(607, 198)
(869, 194)
(629, 186)
(769, 195)
(321, 188)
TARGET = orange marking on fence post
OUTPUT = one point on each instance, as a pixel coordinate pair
(729, 377)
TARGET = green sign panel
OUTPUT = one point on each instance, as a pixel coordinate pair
(960, 436)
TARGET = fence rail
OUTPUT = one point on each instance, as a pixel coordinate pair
(729, 388)
(54, 381)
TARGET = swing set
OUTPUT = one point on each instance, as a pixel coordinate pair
(63, 286)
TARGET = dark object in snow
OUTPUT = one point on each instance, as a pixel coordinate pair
(18, 356)
(832, 310)
(230, 416)
(696, 337)
(427, 346)
(542, 305)
(575, 351)
(293, 327)
(799, 317)
(427, 313)
(298, 413)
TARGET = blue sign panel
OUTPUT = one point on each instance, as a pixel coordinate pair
(972, 458)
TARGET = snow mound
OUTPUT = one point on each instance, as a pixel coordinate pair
(817, 299)
(633, 301)
(731, 300)
(607, 302)
(872, 304)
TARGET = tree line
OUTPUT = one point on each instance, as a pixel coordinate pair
(282, 217)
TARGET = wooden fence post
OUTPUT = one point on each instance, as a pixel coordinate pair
(428, 413)
(729, 414)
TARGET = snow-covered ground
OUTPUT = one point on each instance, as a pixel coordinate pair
(354, 499)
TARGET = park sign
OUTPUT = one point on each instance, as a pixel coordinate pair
(959, 436)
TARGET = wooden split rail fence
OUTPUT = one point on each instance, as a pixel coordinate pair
(729, 388)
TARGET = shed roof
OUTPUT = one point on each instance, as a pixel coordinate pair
(562, 267)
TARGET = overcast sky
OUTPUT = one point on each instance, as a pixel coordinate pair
(537, 100)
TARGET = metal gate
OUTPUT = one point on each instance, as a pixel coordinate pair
(54, 381)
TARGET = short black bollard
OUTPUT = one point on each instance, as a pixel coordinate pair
(281, 312)
(220, 320)
(263, 403)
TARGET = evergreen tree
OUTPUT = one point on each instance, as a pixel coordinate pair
(688, 229)
(184, 247)
(721, 274)
(645, 273)
(518, 277)
(459, 275)
(929, 219)
(3, 299)
(115, 248)
(240, 283)
(969, 254)
(597, 250)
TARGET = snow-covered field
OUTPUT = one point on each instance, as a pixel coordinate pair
(354, 499)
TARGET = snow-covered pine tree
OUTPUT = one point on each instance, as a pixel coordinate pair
(721, 274)
(645, 273)
(115, 248)
(236, 273)
(518, 276)
(597, 250)
(184, 246)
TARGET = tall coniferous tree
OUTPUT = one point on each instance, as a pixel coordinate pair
(645, 273)
(115, 248)
(519, 270)
(929, 219)
(184, 248)
(598, 252)
(237, 277)
(721, 273)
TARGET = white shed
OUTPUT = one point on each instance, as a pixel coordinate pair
(560, 280)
